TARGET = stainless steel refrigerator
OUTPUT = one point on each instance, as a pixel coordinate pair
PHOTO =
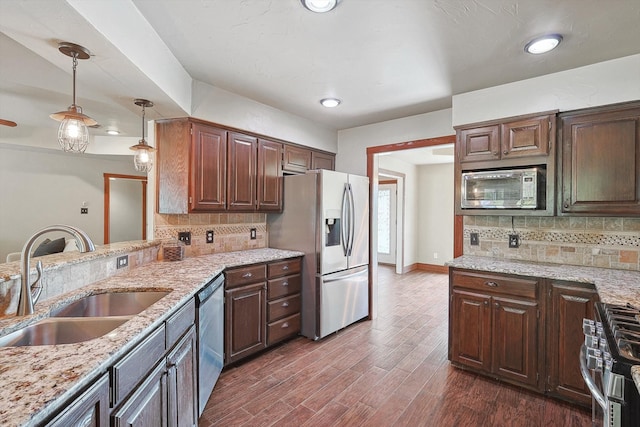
(326, 216)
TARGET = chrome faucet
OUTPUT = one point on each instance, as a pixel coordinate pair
(29, 294)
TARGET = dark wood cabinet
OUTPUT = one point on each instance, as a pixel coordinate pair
(90, 409)
(147, 407)
(269, 176)
(262, 306)
(495, 327)
(242, 165)
(208, 169)
(298, 159)
(568, 304)
(479, 143)
(599, 161)
(322, 161)
(182, 375)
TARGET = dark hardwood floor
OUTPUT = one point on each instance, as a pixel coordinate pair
(392, 371)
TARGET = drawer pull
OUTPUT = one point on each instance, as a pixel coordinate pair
(247, 275)
(285, 283)
(285, 304)
(486, 303)
(492, 284)
(285, 325)
(285, 267)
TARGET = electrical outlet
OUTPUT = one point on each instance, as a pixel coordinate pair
(84, 210)
(252, 233)
(514, 241)
(475, 239)
(435, 255)
(185, 236)
(209, 236)
(122, 261)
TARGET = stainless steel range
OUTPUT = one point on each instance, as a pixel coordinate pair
(612, 347)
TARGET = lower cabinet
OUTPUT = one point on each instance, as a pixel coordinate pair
(90, 409)
(520, 329)
(245, 321)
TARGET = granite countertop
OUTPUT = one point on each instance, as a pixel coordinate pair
(635, 373)
(35, 380)
(613, 286)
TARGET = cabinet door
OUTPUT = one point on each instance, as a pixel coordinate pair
(182, 377)
(245, 321)
(569, 304)
(90, 409)
(528, 137)
(600, 160)
(322, 161)
(269, 177)
(515, 340)
(296, 159)
(470, 338)
(241, 172)
(147, 407)
(208, 169)
(173, 139)
(481, 143)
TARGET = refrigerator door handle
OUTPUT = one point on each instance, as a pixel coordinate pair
(345, 220)
(346, 276)
(352, 220)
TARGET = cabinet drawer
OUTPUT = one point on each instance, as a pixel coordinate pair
(283, 286)
(283, 307)
(282, 329)
(504, 285)
(243, 276)
(180, 322)
(283, 268)
(128, 372)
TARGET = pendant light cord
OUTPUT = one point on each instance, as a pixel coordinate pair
(75, 64)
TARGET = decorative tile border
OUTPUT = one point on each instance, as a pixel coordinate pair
(585, 241)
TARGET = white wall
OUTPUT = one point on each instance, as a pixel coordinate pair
(353, 143)
(225, 108)
(604, 83)
(435, 213)
(125, 210)
(41, 187)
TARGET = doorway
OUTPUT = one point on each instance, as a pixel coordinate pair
(387, 194)
(125, 208)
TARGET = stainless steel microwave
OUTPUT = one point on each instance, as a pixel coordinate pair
(504, 189)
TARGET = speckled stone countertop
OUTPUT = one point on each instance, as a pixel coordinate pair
(34, 381)
(635, 373)
(613, 286)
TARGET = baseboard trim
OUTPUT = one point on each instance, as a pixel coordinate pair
(433, 268)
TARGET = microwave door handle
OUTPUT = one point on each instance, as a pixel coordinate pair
(591, 384)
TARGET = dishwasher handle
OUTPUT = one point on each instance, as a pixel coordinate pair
(209, 289)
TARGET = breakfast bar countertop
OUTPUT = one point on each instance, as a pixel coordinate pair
(614, 286)
(36, 380)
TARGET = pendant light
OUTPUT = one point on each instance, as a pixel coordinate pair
(73, 134)
(143, 160)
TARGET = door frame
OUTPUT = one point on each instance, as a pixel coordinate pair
(400, 203)
(107, 201)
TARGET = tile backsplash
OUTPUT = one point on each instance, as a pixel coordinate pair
(231, 231)
(586, 241)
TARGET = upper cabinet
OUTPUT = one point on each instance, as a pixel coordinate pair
(510, 143)
(299, 159)
(599, 161)
(202, 167)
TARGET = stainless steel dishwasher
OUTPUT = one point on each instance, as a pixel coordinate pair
(210, 321)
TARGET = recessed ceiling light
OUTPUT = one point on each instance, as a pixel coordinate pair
(543, 44)
(112, 132)
(330, 102)
(320, 6)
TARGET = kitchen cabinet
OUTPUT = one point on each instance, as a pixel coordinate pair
(298, 159)
(262, 307)
(568, 304)
(495, 326)
(207, 168)
(155, 383)
(90, 409)
(510, 143)
(599, 161)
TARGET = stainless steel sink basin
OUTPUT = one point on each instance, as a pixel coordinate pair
(110, 304)
(61, 331)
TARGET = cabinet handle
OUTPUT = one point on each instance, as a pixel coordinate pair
(496, 153)
(505, 152)
(285, 304)
(497, 305)
(566, 204)
(246, 275)
(286, 267)
(285, 283)
(285, 325)
(492, 284)
(486, 303)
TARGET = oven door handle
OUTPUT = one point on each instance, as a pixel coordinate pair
(591, 384)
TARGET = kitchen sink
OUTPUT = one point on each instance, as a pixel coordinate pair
(53, 331)
(110, 304)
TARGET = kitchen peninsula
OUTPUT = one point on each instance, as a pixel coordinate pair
(38, 381)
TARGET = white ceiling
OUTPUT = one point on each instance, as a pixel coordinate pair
(384, 58)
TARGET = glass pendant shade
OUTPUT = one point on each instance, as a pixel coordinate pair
(143, 159)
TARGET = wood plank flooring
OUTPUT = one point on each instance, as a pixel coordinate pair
(392, 371)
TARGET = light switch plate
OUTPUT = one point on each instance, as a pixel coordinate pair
(252, 233)
(514, 241)
(475, 239)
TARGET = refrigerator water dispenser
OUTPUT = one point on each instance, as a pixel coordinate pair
(332, 229)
